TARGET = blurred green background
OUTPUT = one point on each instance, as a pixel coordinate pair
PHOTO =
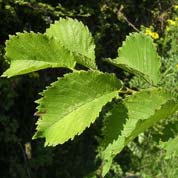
(109, 22)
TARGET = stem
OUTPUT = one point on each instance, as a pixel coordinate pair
(130, 24)
(120, 14)
(128, 91)
(25, 160)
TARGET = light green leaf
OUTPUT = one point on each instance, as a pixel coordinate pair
(138, 55)
(75, 37)
(28, 52)
(171, 147)
(72, 103)
(142, 110)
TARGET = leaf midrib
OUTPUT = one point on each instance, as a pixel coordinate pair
(80, 106)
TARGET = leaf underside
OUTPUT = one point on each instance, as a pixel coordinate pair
(138, 56)
(72, 103)
(28, 52)
(142, 110)
(64, 44)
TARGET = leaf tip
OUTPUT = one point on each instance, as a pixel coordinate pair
(5, 75)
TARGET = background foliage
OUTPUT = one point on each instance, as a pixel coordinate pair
(109, 21)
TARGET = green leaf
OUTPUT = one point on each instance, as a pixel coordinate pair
(141, 111)
(72, 103)
(28, 52)
(75, 37)
(171, 147)
(113, 123)
(138, 55)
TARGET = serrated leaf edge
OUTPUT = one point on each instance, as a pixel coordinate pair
(111, 156)
(63, 78)
(83, 27)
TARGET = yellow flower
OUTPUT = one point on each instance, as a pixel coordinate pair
(154, 35)
(177, 65)
(147, 30)
(176, 7)
(171, 22)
